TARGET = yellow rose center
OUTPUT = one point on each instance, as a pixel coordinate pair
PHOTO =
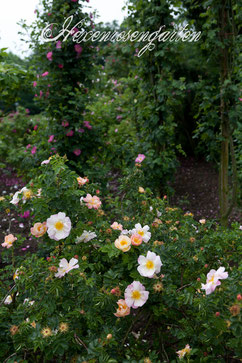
(123, 243)
(136, 295)
(59, 225)
(27, 194)
(212, 279)
(149, 264)
(141, 233)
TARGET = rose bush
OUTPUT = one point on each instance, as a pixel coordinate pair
(83, 296)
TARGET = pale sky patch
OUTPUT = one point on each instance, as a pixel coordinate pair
(12, 11)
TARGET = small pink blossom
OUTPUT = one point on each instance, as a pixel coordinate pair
(49, 56)
(92, 202)
(87, 125)
(45, 162)
(28, 146)
(119, 117)
(40, 93)
(240, 99)
(60, 66)
(78, 49)
(81, 130)
(77, 152)
(81, 181)
(35, 127)
(70, 133)
(8, 240)
(117, 226)
(136, 295)
(34, 84)
(51, 138)
(123, 309)
(213, 278)
(26, 214)
(33, 151)
(140, 158)
(65, 123)
(44, 74)
(58, 45)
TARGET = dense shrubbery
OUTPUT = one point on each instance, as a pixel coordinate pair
(70, 317)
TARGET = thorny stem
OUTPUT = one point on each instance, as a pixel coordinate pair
(131, 326)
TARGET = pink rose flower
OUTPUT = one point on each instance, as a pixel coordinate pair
(58, 45)
(136, 239)
(65, 123)
(49, 56)
(34, 84)
(8, 240)
(87, 125)
(35, 127)
(78, 48)
(44, 74)
(60, 66)
(51, 138)
(26, 214)
(77, 152)
(123, 309)
(92, 202)
(213, 278)
(33, 151)
(140, 158)
(70, 133)
(136, 295)
(81, 181)
(39, 229)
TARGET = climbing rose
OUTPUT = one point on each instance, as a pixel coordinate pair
(59, 226)
(136, 295)
(65, 266)
(149, 265)
(123, 309)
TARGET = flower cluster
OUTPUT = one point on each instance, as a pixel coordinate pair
(136, 236)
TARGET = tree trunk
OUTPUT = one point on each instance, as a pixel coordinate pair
(224, 159)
